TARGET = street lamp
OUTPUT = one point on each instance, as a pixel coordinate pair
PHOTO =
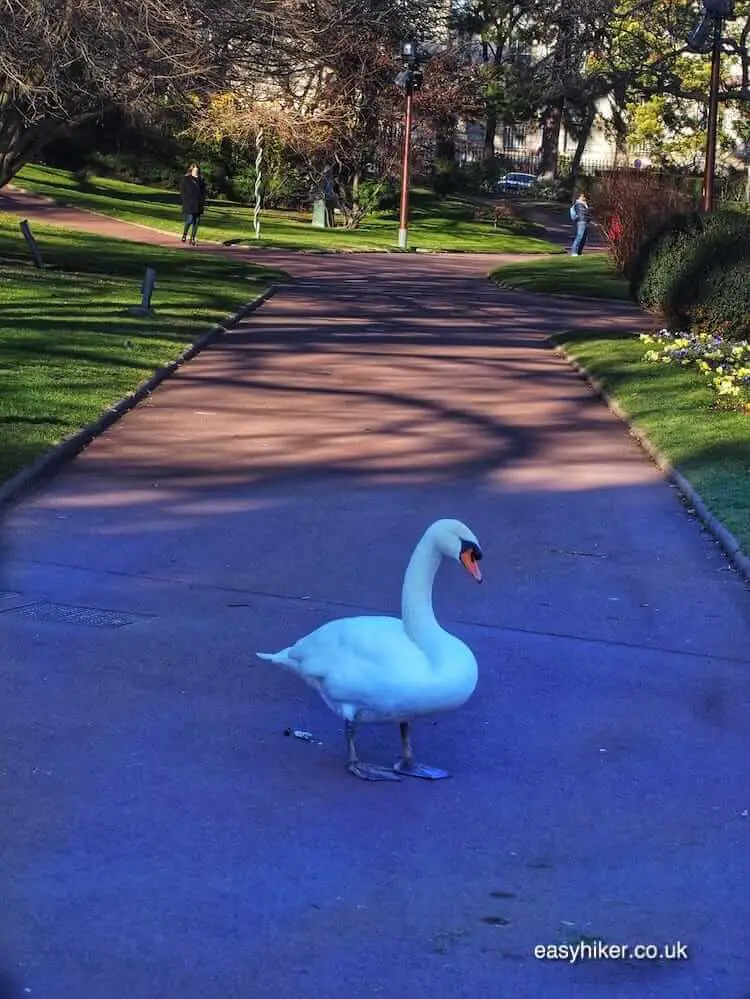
(409, 80)
(716, 12)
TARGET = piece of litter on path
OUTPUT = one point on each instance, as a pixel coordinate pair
(304, 736)
(581, 554)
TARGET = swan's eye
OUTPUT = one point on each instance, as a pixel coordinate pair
(470, 551)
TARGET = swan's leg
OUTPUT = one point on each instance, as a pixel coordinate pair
(407, 765)
(367, 771)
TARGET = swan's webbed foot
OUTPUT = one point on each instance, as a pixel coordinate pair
(369, 771)
(410, 768)
(407, 764)
(365, 771)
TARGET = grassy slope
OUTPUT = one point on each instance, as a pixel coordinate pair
(68, 351)
(436, 224)
(591, 276)
(675, 408)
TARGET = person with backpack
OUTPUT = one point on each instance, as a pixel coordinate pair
(193, 197)
(580, 213)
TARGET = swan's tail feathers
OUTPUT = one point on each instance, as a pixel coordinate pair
(280, 658)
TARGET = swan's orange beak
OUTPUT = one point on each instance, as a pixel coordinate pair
(470, 563)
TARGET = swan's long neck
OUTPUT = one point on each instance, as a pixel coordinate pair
(416, 598)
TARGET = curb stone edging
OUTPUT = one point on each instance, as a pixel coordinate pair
(620, 303)
(50, 462)
(730, 545)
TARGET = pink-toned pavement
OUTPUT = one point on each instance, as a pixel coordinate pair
(165, 839)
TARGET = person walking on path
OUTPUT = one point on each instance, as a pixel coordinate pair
(330, 197)
(580, 214)
(193, 196)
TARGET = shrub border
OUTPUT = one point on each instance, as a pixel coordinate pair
(730, 545)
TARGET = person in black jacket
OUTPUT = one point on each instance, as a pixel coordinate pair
(193, 196)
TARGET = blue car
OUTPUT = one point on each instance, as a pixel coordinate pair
(516, 182)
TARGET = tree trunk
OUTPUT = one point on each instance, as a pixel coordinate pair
(550, 142)
(621, 137)
(583, 138)
(445, 141)
(489, 136)
(21, 143)
(491, 116)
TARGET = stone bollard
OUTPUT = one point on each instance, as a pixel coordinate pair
(147, 290)
(36, 254)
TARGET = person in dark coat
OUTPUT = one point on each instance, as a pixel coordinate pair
(193, 196)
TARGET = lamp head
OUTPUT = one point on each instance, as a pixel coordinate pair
(409, 52)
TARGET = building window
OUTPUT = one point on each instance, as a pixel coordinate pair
(514, 137)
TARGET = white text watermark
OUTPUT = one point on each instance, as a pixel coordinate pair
(599, 950)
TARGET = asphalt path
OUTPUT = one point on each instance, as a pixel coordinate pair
(164, 839)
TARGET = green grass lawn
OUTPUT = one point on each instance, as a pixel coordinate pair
(68, 351)
(591, 276)
(674, 406)
(435, 223)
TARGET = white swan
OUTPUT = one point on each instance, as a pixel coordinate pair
(380, 669)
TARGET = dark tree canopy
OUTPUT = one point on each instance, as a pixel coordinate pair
(65, 61)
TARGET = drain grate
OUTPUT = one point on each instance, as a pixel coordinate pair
(65, 614)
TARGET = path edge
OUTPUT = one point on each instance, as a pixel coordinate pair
(729, 543)
(613, 302)
(52, 460)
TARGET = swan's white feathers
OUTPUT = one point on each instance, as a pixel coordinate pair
(367, 662)
(370, 669)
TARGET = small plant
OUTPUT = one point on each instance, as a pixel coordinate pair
(560, 189)
(445, 177)
(378, 195)
(503, 211)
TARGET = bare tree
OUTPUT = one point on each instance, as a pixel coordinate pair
(65, 61)
(329, 93)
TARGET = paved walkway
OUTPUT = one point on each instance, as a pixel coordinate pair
(164, 840)
(560, 229)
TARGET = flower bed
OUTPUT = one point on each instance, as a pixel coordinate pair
(725, 363)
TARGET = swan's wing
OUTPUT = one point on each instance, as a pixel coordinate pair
(381, 640)
(359, 661)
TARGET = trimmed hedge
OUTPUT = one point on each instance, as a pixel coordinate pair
(695, 270)
(654, 251)
(724, 306)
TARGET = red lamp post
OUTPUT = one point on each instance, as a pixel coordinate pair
(410, 79)
(709, 171)
(716, 12)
